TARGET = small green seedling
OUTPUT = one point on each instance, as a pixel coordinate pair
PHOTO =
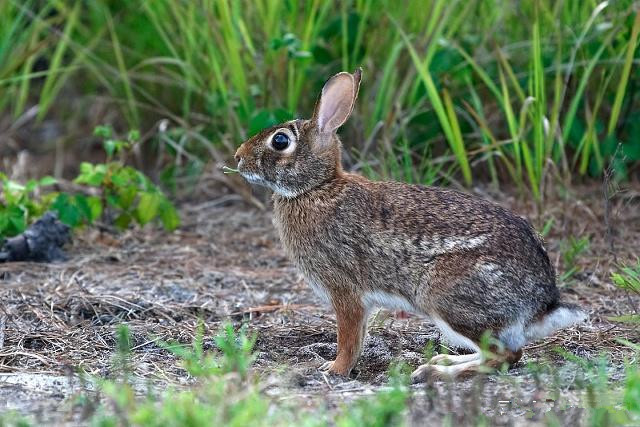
(572, 249)
(628, 278)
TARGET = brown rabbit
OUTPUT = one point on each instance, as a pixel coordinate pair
(469, 264)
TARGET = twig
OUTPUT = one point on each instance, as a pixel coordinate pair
(3, 322)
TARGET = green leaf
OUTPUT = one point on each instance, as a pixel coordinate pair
(67, 209)
(125, 197)
(17, 222)
(169, 216)
(109, 147)
(632, 390)
(95, 206)
(82, 203)
(148, 207)
(121, 177)
(4, 222)
(103, 131)
(123, 220)
(47, 181)
(31, 185)
(261, 119)
(90, 174)
(631, 150)
(133, 135)
(13, 187)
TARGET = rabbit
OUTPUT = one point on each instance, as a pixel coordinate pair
(467, 263)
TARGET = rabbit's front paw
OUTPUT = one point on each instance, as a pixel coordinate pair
(333, 367)
(326, 366)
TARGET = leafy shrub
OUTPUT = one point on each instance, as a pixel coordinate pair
(121, 194)
(125, 190)
(18, 204)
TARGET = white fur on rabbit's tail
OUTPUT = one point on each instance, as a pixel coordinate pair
(517, 335)
(563, 316)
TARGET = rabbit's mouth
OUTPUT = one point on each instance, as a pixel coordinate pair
(254, 178)
(251, 177)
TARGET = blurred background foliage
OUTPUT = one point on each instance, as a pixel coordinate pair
(506, 92)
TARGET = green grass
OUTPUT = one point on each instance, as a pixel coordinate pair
(225, 390)
(488, 89)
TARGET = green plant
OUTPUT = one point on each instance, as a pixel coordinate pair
(124, 190)
(385, 408)
(608, 402)
(631, 398)
(18, 204)
(551, 89)
(571, 249)
(218, 397)
(226, 394)
(628, 278)
(236, 350)
(120, 191)
(13, 419)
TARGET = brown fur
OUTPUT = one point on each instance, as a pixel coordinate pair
(350, 315)
(448, 254)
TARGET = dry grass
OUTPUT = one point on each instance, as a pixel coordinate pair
(225, 262)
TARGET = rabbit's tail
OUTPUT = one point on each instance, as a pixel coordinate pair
(562, 316)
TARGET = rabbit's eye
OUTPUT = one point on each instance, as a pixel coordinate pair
(280, 141)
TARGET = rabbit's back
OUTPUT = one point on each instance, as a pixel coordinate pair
(408, 224)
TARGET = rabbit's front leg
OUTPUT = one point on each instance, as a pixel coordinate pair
(351, 318)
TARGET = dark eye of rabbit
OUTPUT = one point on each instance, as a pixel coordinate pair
(280, 141)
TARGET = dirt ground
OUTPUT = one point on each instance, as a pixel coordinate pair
(225, 262)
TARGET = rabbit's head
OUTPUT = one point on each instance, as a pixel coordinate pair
(296, 156)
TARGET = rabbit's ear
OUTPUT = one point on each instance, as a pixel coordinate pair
(336, 101)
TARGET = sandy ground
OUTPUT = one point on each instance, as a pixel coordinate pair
(225, 262)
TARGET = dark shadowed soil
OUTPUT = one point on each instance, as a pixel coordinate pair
(225, 263)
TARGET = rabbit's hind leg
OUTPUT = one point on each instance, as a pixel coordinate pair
(460, 369)
(450, 366)
(472, 363)
(452, 359)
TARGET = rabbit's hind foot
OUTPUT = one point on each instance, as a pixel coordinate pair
(445, 366)
(452, 359)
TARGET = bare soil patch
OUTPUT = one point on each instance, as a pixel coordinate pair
(225, 263)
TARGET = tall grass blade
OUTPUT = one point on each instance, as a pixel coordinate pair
(624, 77)
(444, 115)
(54, 79)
